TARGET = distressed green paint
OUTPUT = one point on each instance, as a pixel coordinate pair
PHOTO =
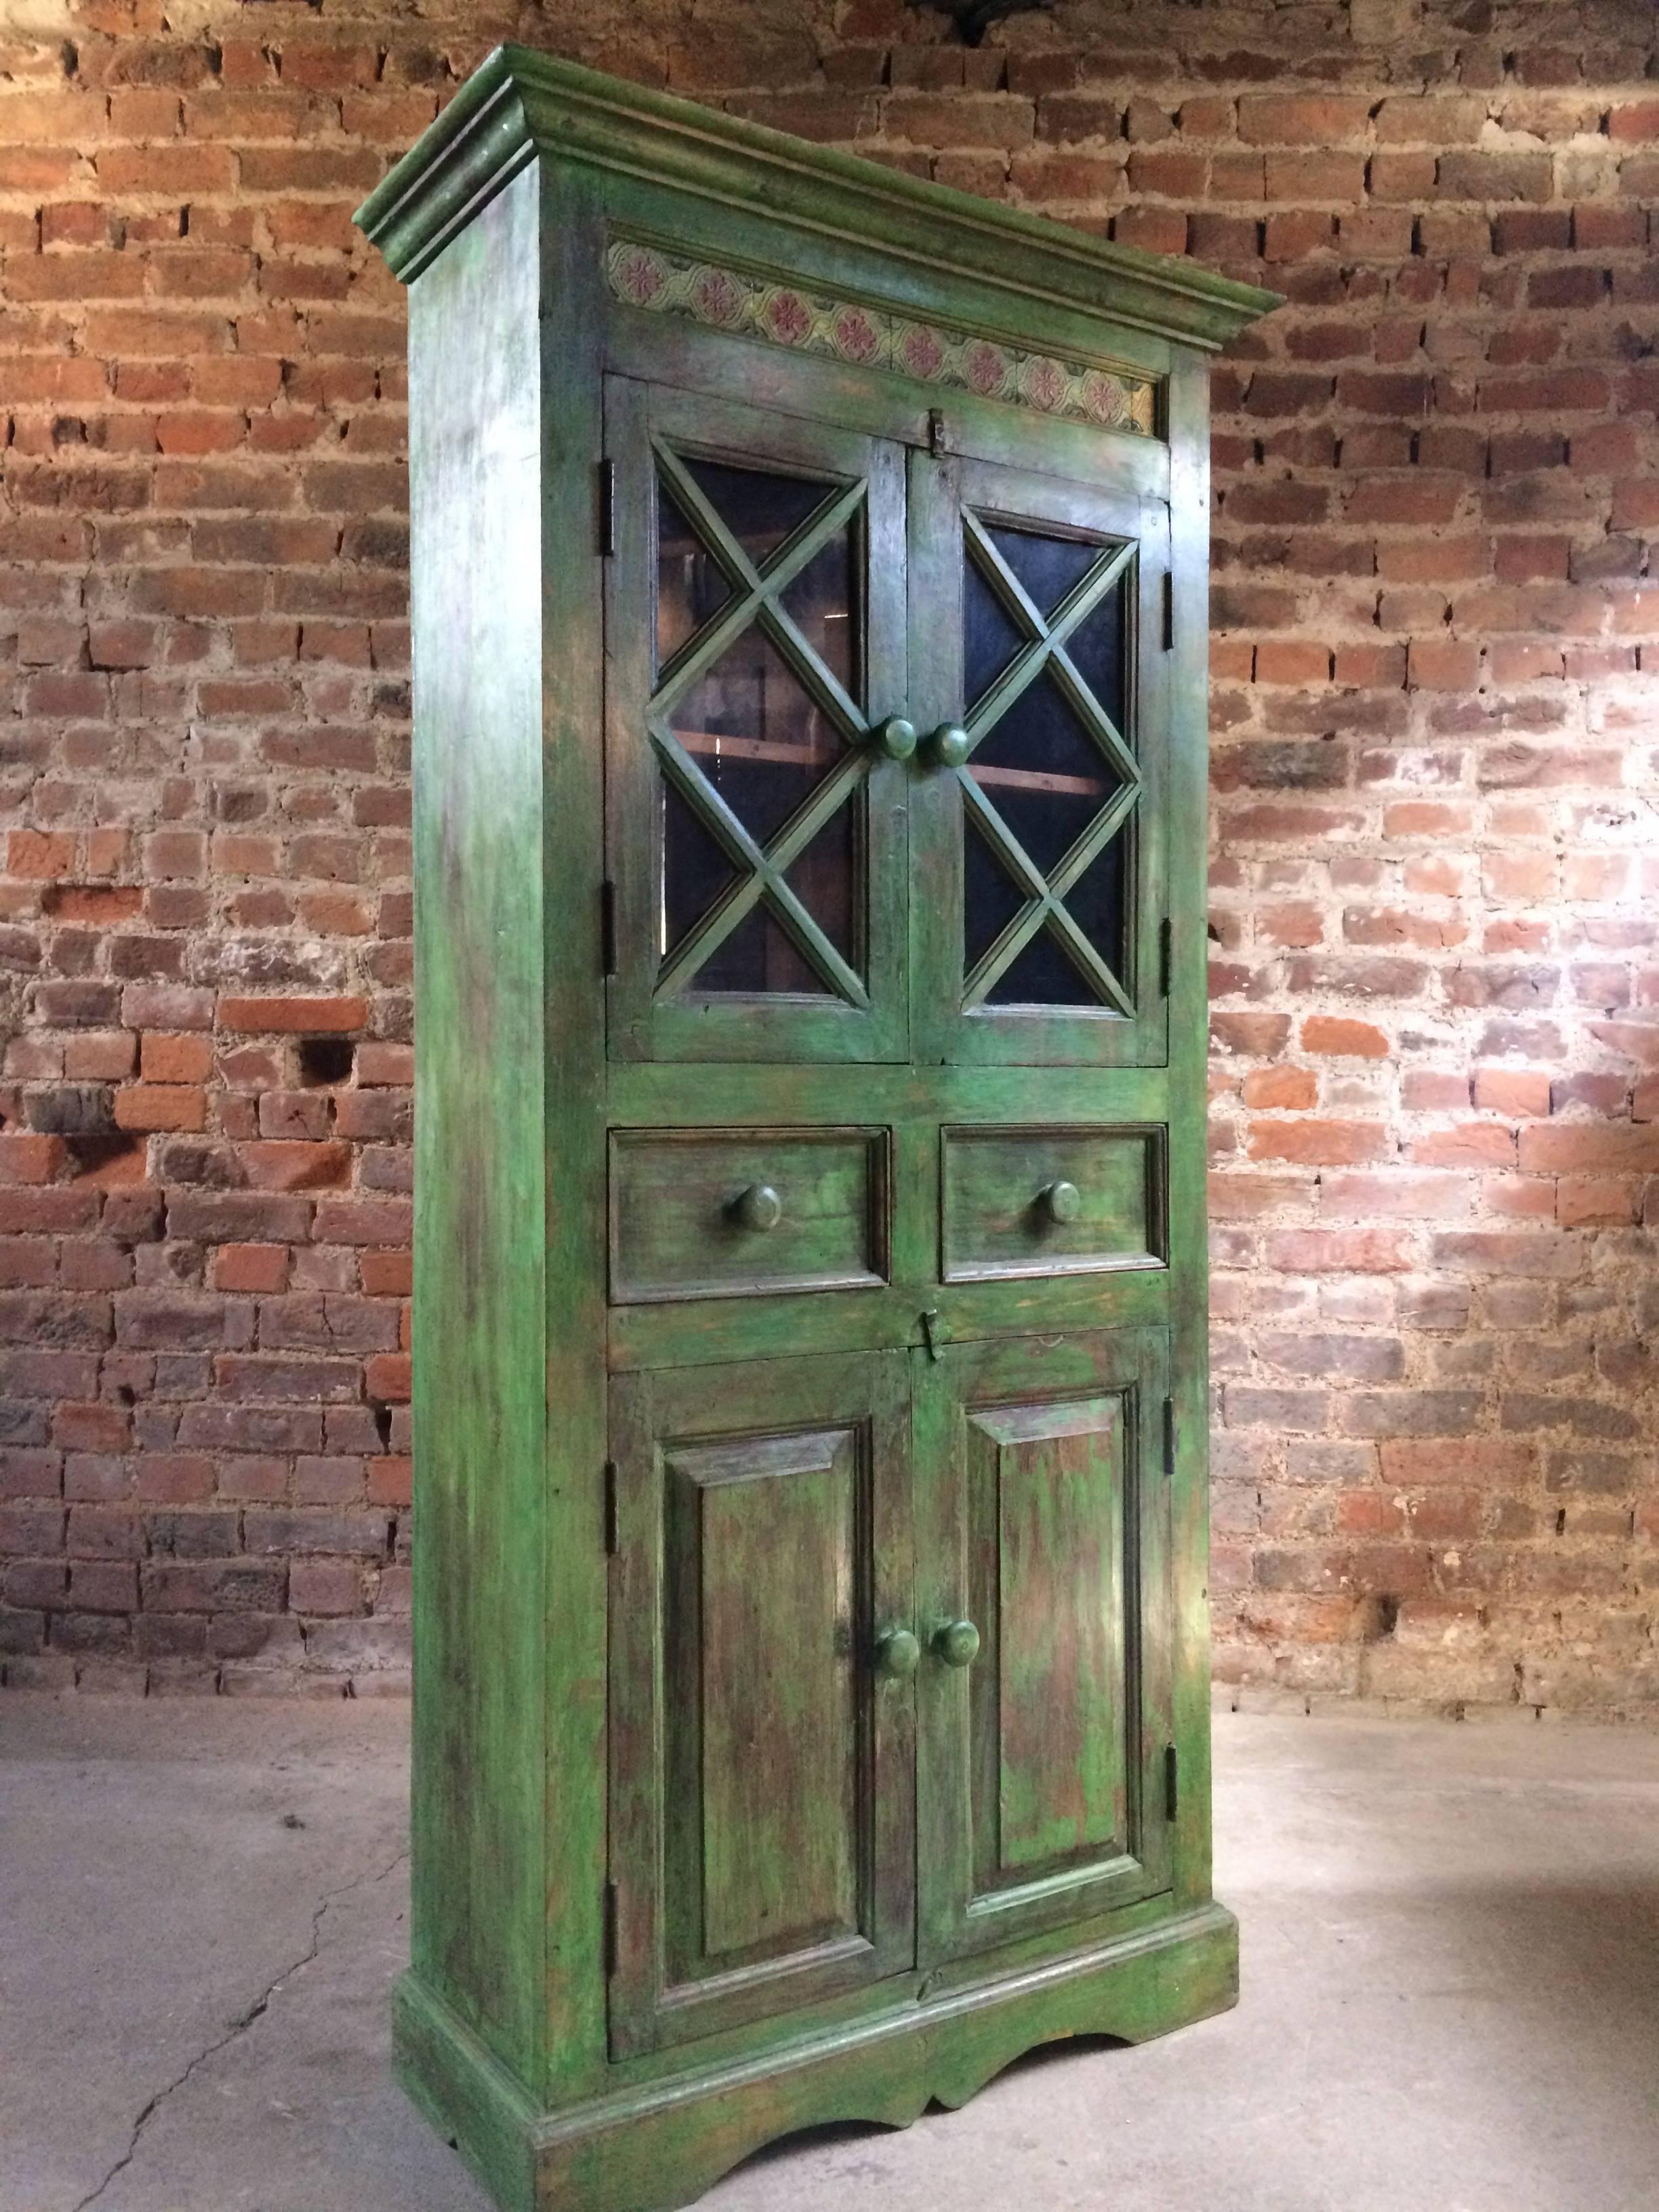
(762, 1788)
(1041, 1516)
(1189, 1335)
(998, 1218)
(687, 1220)
(761, 1343)
(1047, 1545)
(480, 1232)
(773, 1538)
(656, 1010)
(649, 2148)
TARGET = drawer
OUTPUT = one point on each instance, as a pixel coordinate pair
(1046, 1201)
(725, 1214)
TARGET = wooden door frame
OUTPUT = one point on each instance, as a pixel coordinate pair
(953, 1919)
(783, 1028)
(943, 488)
(761, 1401)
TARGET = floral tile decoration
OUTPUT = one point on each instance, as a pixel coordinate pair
(874, 337)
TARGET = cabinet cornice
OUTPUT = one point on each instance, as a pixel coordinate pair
(520, 105)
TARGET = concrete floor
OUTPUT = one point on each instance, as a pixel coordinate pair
(1451, 1986)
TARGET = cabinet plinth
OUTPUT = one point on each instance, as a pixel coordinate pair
(809, 599)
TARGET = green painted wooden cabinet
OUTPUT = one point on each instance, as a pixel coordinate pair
(810, 626)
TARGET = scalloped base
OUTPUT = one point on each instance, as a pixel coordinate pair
(655, 2146)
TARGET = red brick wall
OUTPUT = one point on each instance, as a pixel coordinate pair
(1437, 1002)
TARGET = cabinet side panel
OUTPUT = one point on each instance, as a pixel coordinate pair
(1189, 522)
(480, 1421)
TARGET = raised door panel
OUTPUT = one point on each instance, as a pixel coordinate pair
(1046, 1529)
(763, 1782)
(1037, 837)
(755, 648)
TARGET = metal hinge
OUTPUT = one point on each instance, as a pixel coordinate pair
(1171, 1782)
(1165, 956)
(611, 1928)
(1169, 1436)
(1168, 609)
(607, 509)
(611, 1505)
(607, 928)
(939, 440)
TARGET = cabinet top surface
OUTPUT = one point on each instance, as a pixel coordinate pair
(519, 105)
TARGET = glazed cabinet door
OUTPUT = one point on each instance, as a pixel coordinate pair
(1042, 1604)
(756, 682)
(1040, 678)
(761, 1709)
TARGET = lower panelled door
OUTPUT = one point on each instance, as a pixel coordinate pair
(1043, 1602)
(762, 1719)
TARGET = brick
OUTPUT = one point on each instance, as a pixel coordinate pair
(1442, 665)
(1565, 1148)
(1514, 1091)
(251, 1267)
(1496, 1252)
(1384, 1413)
(213, 1586)
(145, 1106)
(293, 1017)
(1281, 1089)
(365, 1535)
(1494, 177)
(391, 1481)
(1273, 120)
(1475, 1145)
(286, 1166)
(1337, 1037)
(1318, 1143)
(326, 1587)
(1341, 1251)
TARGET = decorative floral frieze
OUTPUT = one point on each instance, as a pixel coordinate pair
(874, 337)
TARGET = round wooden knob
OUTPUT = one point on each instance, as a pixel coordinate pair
(758, 1207)
(957, 1642)
(898, 1654)
(896, 738)
(1062, 1201)
(950, 745)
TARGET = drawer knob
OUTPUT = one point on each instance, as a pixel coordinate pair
(758, 1207)
(896, 738)
(949, 745)
(898, 1655)
(1062, 1201)
(957, 1642)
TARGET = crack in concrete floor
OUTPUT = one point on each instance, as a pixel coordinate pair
(240, 2025)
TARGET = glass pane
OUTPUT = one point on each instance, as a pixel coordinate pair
(823, 878)
(989, 640)
(756, 958)
(759, 509)
(990, 896)
(691, 586)
(756, 734)
(1096, 650)
(1048, 567)
(1097, 902)
(695, 873)
(822, 602)
(1043, 773)
(1042, 975)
